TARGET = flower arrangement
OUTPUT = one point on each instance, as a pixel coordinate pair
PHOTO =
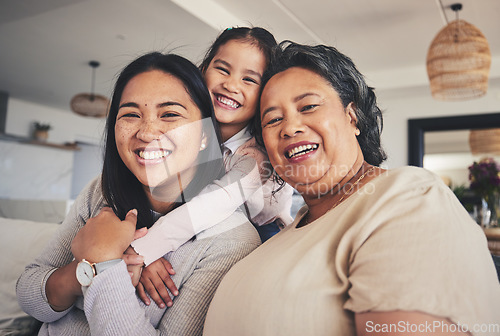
(484, 177)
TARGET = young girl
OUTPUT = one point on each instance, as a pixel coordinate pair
(233, 68)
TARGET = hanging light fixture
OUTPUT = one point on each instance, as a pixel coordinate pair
(90, 104)
(458, 61)
(485, 141)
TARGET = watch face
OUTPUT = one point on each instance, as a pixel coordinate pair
(84, 273)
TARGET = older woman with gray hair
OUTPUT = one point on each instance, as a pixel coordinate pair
(374, 251)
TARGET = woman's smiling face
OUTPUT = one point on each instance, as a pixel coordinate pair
(158, 129)
(309, 136)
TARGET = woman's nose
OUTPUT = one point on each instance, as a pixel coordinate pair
(291, 125)
(149, 131)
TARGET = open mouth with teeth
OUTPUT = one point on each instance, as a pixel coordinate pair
(153, 154)
(227, 101)
(300, 150)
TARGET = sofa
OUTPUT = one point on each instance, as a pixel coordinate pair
(20, 242)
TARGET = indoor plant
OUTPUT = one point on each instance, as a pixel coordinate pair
(484, 179)
(41, 132)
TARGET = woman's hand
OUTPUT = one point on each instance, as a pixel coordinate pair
(104, 237)
(155, 279)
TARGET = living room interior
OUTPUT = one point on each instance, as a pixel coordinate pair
(46, 47)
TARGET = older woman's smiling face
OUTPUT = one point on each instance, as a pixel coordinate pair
(309, 136)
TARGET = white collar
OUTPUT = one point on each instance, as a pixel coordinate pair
(238, 139)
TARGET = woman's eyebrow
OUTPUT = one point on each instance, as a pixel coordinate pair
(304, 95)
(170, 103)
(295, 100)
(129, 104)
(269, 109)
(165, 104)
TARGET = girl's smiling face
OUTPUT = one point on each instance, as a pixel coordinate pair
(158, 129)
(233, 79)
(309, 136)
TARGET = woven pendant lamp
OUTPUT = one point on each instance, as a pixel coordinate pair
(458, 61)
(90, 104)
(485, 141)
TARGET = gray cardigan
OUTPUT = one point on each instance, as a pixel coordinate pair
(110, 305)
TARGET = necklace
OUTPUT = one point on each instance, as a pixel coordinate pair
(344, 195)
(352, 186)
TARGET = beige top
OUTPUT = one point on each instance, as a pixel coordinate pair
(403, 242)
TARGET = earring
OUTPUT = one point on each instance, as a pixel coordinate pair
(202, 146)
(357, 132)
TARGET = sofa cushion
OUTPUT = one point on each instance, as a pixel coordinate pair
(20, 242)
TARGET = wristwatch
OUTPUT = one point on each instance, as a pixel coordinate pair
(86, 271)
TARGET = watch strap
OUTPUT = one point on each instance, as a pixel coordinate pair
(102, 266)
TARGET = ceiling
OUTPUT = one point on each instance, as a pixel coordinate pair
(45, 46)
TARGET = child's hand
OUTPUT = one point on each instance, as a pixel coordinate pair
(134, 264)
(155, 279)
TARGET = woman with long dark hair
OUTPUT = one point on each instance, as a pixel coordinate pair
(162, 148)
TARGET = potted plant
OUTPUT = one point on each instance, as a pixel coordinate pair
(41, 132)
